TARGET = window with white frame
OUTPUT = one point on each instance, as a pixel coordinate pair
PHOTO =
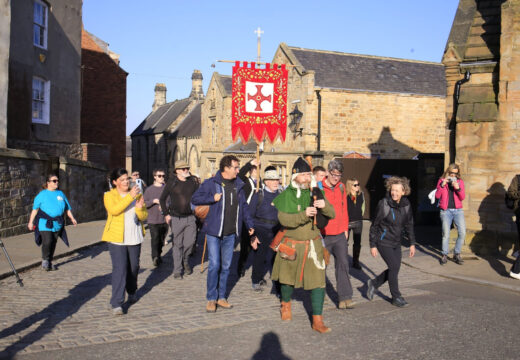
(40, 101)
(40, 24)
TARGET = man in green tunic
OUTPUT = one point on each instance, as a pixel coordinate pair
(296, 212)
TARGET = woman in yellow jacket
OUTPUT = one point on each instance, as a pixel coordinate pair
(124, 232)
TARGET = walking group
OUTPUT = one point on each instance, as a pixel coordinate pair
(291, 233)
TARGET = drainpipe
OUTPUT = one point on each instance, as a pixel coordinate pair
(453, 123)
(318, 135)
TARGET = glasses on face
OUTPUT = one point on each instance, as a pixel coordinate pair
(184, 169)
(160, 175)
(355, 185)
(54, 180)
(335, 175)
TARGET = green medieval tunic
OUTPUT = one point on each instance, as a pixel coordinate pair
(308, 270)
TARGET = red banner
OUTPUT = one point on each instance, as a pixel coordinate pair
(259, 102)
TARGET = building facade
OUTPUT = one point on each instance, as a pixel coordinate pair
(171, 132)
(103, 103)
(482, 62)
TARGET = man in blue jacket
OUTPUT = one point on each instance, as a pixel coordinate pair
(227, 210)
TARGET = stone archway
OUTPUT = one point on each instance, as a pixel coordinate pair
(194, 160)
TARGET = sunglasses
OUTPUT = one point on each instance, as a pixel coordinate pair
(335, 175)
(161, 175)
(355, 184)
(54, 180)
(184, 169)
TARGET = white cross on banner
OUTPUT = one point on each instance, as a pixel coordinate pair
(259, 97)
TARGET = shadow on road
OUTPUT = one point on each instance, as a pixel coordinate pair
(270, 348)
(53, 314)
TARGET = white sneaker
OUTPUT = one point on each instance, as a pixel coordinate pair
(514, 275)
(117, 311)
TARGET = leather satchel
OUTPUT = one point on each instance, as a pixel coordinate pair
(277, 240)
(287, 252)
(201, 211)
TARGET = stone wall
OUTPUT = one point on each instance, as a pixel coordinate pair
(22, 174)
(74, 151)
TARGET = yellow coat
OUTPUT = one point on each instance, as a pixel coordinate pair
(116, 206)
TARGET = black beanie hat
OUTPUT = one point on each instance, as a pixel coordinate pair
(301, 166)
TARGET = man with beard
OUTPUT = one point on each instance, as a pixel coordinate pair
(180, 216)
(227, 210)
(299, 260)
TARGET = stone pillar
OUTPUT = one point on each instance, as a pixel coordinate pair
(5, 31)
(196, 85)
(160, 96)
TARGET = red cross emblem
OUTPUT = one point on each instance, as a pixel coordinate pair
(258, 98)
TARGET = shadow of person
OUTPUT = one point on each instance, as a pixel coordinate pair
(270, 348)
(491, 243)
(157, 276)
(91, 253)
(53, 314)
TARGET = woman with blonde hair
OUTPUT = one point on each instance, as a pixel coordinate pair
(451, 192)
(393, 217)
(356, 209)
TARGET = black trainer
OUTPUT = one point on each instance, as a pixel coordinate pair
(399, 302)
(458, 259)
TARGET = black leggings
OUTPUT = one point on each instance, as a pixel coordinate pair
(49, 240)
(392, 257)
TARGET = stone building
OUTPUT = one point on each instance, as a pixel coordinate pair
(171, 132)
(5, 32)
(482, 60)
(44, 99)
(346, 102)
(103, 103)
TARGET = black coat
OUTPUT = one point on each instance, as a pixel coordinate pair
(392, 220)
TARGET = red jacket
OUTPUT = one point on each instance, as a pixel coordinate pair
(337, 196)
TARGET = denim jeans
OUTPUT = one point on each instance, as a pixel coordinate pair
(449, 216)
(220, 254)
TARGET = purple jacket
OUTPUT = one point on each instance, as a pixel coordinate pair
(442, 194)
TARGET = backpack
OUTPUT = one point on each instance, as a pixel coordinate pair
(387, 209)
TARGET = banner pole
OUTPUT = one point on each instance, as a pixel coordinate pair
(258, 166)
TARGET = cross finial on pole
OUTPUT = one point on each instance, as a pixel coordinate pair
(259, 33)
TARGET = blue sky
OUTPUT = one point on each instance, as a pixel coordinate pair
(165, 40)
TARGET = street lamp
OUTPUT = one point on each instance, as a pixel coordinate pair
(296, 116)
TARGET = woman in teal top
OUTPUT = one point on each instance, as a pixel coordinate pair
(52, 204)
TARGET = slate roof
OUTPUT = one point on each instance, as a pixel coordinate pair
(226, 82)
(239, 147)
(159, 120)
(190, 126)
(372, 73)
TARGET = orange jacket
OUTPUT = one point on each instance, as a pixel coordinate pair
(337, 196)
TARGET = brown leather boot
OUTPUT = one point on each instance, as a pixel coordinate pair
(285, 311)
(318, 325)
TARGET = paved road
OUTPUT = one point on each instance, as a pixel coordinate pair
(66, 314)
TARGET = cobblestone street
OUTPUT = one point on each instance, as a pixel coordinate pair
(70, 307)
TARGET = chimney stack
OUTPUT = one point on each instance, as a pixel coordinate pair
(160, 96)
(196, 85)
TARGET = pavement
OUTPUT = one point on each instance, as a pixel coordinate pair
(68, 308)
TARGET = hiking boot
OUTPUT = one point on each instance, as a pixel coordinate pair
(224, 304)
(177, 276)
(458, 259)
(211, 306)
(117, 311)
(318, 325)
(285, 311)
(346, 304)
(370, 289)
(399, 302)
(187, 268)
(257, 287)
(443, 260)
(156, 262)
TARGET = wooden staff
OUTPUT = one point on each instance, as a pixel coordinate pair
(203, 254)
(258, 63)
(257, 167)
(315, 222)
